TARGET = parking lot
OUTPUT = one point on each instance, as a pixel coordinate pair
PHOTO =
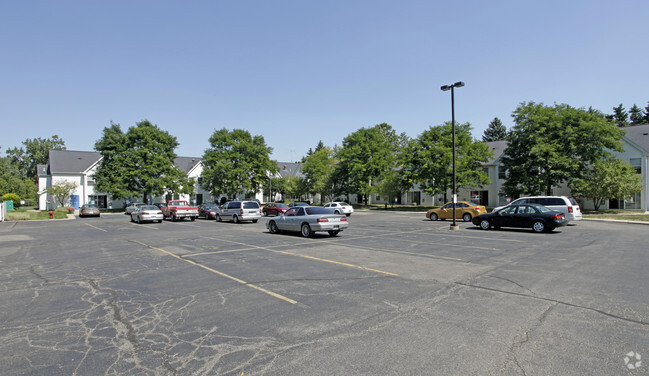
(395, 294)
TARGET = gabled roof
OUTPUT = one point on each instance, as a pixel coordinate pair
(186, 164)
(289, 169)
(41, 170)
(639, 135)
(72, 162)
(497, 148)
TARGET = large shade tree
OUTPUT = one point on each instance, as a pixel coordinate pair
(610, 178)
(236, 162)
(550, 145)
(428, 159)
(317, 169)
(139, 163)
(364, 157)
(35, 151)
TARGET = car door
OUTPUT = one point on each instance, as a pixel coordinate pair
(503, 218)
(446, 211)
(523, 216)
(287, 221)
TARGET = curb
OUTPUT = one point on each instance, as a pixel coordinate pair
(616, 221)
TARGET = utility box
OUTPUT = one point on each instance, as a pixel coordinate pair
(10, 205)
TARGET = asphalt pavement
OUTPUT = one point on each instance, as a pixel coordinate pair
(396, 294)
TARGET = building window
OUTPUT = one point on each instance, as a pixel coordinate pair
(635, 163)
(502, 173)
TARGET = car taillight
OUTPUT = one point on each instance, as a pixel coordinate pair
(343, 219)
(323, 220)
(145, 213)
(569, 209)
(343, 208)
(558, 216)
(241, 211)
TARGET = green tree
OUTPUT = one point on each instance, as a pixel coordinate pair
(11, 183)
(11, 197)
(646, 115)
(636, 115)
(236, 162)
(550, 145)
(317, 170)
(620, 116)
(36, 151)
(610, 178)
(364, 157)
(495, 132)
(294, 187)
(61, 190)
(391, 185)
(139, 163)
(428, 159)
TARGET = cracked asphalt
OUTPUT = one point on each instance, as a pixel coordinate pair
(394, 295)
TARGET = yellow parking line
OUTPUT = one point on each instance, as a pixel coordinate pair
(309, 257)
(95, 227)
(275, 295)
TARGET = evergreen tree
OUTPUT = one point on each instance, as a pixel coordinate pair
(636, 115)
(620, 116)
(495, 132)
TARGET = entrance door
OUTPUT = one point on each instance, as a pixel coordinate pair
(74, 201)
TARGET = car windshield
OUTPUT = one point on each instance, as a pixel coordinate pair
(209, 206)
(149, 207)
(178, 203)
(251, 205)
(282, 206)
(542, 209)
(317, 210)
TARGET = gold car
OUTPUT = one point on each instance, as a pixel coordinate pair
(465, 210)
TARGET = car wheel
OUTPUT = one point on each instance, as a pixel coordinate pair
(333, 232)
(337, 212)
(485, 224)
(466, 217)
(433, 217)
(159, 220)
(266, 213)
(348, 214)
(131, 218)
(235, 219)
(306, 230)
(173, 218)
(254, 221)
(193, 219)
(538, 226)
(272, 227)
(139, 221)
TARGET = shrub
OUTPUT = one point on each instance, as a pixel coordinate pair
(12, 197)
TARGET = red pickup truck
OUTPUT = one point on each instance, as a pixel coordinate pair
(179, 209)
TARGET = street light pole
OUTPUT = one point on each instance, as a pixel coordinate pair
(454, 225)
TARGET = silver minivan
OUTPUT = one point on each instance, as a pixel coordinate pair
(563, 204)
(237, 211)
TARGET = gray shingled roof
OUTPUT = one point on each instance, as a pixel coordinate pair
(185, 164)
(70, 161)
(289, 169)
(639, 135)
(497, 148)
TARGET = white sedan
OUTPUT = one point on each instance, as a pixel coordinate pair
(340, 208)
(146, 213)
(306, 220)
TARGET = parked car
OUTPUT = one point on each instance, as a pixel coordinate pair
(208, 211)
(537, 217)
(298, 203)
(274, 208)
(179, 210)
(340, 208)
(463, 209)
(131, 208)
(147, 213)
(89, 210)
(237, 211)
(308, 219)
(566, 205)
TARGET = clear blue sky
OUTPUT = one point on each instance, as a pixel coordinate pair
(298, 72)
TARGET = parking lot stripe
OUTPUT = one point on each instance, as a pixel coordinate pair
(275, 295)
(309, 257)
(95, 227)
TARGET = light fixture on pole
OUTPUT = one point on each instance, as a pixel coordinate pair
(454, 225)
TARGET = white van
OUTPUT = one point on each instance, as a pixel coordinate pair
(566, 205)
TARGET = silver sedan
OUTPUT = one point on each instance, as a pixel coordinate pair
(308, 219)
(147, 213)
